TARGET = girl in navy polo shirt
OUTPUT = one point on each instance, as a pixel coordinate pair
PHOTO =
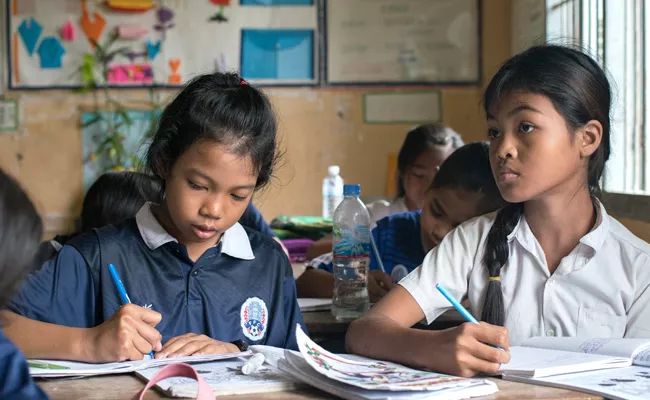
(199, 282)
(20, 232)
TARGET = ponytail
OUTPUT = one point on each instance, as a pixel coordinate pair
(496, 256)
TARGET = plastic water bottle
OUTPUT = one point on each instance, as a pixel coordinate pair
(351, 255)
(332, 191)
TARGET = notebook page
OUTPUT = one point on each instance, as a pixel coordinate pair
(642, 358)
(609, 347)
(536, 362)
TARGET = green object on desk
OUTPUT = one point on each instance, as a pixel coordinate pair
(43, 365)
(309, 227)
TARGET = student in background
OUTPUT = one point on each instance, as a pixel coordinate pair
(116, 196)
(198, 281)
(538, 266)
(463, 188)
(424, 150)
(20, 232)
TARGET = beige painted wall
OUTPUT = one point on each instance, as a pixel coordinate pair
(319, 127)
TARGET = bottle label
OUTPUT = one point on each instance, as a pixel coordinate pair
(353, 243)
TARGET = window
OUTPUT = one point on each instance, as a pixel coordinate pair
(615, 32)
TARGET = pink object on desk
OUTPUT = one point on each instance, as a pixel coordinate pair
(178, 370)
(68, 32)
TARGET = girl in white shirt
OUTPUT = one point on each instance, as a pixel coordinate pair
(552, 263)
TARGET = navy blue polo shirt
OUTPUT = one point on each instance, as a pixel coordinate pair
(15, 381)
(253, 218)
(242, 288)
(398, 241)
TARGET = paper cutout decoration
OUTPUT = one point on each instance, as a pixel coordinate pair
(130, 5)
(219, 16)
(68, 32)
(131, 31)
(50, 52)
(92, 27)
(130, 73)
(30, 31)
(174, 78)
(153, 49)
(278, 54)
(88, 69)
(165, 18)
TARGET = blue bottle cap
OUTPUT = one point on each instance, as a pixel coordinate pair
(352, 189)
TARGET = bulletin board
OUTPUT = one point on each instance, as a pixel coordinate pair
(403, 41)
(269, 41)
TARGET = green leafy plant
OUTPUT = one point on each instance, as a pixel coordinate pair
(110, 116)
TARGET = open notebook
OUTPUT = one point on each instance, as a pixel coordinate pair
(540, 356)
(313, 304)
(225, 378)
(359, 378)
(614, 368)
(56, 368)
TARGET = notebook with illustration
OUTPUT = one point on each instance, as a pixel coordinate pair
(56, 368)
(225, 378)
(541, 356)
(355, 378)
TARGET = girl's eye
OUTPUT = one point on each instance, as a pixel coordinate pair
(493, 133)
(418, 176)
(526, 128)
(238, 198)
(193, 185)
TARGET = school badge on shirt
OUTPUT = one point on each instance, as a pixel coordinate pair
(254, 318)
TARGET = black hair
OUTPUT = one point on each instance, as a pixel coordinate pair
(579, 90)
(116, 196)
(468, 168)
(417, 141)
(223, 108)
(20, 232)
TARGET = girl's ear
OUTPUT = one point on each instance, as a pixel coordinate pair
(590, 137)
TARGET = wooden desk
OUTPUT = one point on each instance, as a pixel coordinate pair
(125, 387)
(324, 323)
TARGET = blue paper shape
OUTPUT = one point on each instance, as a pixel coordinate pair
(29, 31)
(153, 49)
(281, 54)
(277, 2)
(51, 51)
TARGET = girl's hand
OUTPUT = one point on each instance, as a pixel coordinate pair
(128, 335)
(379, 283)
(192, 344)
(468, 350)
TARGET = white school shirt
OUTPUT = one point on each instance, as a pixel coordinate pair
(601, 289)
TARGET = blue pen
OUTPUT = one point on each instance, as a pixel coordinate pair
(376, 251)
(120, 289)
(459, 307)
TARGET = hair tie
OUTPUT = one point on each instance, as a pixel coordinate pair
(243, 82)
(494, 278)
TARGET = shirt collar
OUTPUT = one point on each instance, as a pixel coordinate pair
(593, 239)
(234, 241)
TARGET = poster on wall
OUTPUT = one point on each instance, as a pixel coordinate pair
(403, 41)
(136, 43)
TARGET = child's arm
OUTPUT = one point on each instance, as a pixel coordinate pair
(127, 335)
(63, 295)
(384, 333)
(315, 283)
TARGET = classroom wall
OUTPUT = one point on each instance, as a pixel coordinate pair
(318, 127)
